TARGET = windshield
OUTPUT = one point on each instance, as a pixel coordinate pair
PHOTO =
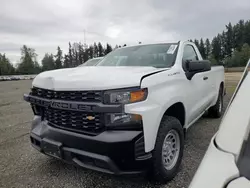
(91, 62)
(154, 55)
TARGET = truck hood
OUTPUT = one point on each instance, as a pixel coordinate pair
(93, 78)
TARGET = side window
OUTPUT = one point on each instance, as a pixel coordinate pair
(189, 53)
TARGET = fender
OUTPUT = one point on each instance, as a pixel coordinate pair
(152, 114)
(153, 130)
(147, 75)
(160, 98)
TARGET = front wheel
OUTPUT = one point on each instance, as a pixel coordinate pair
(168, 151)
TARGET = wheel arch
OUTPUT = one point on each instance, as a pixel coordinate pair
(178, 111)
(153, 114)
(222, 86)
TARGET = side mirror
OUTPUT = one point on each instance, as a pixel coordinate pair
(194, 67)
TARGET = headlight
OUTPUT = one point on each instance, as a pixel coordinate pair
(126, 96)
(119, 119)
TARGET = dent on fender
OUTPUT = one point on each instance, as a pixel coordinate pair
(175, 73)
(147, 75)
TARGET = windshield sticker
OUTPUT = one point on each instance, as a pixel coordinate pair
(172, 49)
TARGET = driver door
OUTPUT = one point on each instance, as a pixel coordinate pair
(196, 87)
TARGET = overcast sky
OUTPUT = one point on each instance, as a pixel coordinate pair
(45, 24)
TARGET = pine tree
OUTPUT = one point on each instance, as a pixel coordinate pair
(86, 55)
(80, 53)
(216, 48)
(48, 62)
(223, 41)
(247, 33)
(37, 68)
(6, 68)
(208, 48)
(108, 49)
(28, 59)
(239, 57)
(59, 58)
(91, 52)
(70, 56)
(239, 30)
(66, 62)
(95, 50)
(202, 48)
(229, 42)
(245, 54)
(116, 46)
(100, 50)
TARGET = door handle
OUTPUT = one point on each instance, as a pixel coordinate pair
(205, 78)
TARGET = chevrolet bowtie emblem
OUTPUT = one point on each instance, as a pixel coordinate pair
(90, 118)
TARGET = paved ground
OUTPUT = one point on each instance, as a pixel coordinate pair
(23, 166)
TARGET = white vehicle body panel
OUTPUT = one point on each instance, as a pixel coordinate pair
(219, 168)
(239, 183)
(165, 88)
(92, 78)
(236, 123)
(191, 93)
(169, 87)
(229, 141)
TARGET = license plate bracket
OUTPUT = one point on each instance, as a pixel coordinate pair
(52, 148)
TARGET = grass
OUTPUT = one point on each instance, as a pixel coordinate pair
(231, 89)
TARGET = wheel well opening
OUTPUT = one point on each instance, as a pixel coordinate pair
(177, 110)
(222, 85)
(222, 88)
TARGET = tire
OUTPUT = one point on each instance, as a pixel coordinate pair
(160, 170)
(216, 110)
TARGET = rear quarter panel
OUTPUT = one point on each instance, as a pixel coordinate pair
(216, 76)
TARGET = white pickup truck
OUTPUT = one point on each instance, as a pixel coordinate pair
(128, 114)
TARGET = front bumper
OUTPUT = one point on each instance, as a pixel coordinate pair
(114, 152)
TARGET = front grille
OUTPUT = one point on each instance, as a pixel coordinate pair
(75, 121)
(70, 120)
(80, 96)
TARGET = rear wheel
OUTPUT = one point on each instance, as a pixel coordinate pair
(168, 151)
(216, 110)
